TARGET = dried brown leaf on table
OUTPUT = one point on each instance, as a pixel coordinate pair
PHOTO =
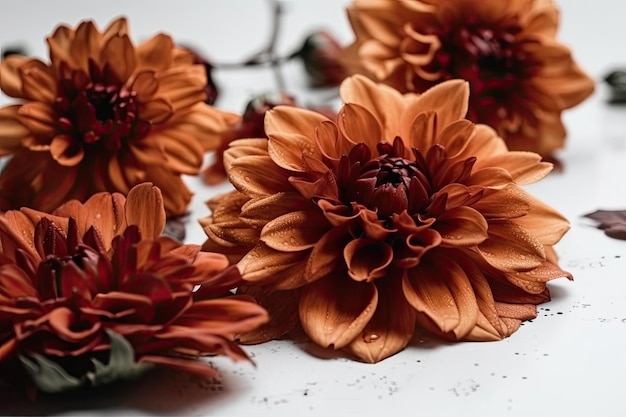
(613, 222)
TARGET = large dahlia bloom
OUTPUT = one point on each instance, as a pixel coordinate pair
(401, 214)
(104, 115)
(93, 292)
(521, 78)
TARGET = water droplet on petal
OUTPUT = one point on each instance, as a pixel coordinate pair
(370, 337)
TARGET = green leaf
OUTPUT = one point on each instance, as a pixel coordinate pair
(50, 377)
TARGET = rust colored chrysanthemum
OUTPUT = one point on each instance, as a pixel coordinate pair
(401, 214)
(520, 77)
(104, 115)
(93, 292)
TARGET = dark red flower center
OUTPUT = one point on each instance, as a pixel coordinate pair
(388, 183)
(97, 109)
(492, 60)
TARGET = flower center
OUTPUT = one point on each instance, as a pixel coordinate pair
(390, 183)
(491, 60)
(97, 109)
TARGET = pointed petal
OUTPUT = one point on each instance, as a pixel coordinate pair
(390, 329)
(331, 317)
(144, 208)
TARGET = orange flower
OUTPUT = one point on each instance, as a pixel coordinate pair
(521, 78)
(97, 282)
(250, 126)
(402, 213)
(104, 115)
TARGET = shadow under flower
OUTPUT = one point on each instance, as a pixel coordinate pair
(158, 392)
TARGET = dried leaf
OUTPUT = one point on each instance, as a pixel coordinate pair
(613, 222)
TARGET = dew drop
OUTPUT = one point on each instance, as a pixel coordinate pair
(370, 337)
(98, 216)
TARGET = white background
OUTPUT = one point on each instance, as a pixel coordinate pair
(570, 361)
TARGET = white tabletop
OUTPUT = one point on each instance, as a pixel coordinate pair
(570, 361)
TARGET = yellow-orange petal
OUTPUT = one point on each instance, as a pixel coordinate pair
(511, 202)
(38, 82)
(330, 318)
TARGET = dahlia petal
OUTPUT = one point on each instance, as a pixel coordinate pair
(103, 211)
(11, 130)
(461, 226)
(145, 85)
(85, 45)
(144, 208)
(195, 367)
(511, 202)
(448, 99)
(176, 195)
(119, 53)
(7, 349)
(391, 327)
(292, 132)
(456, 137)
(367, 259)
(524, 167)
(14, 283)
(282, 307)
(11, 80)
(440, 290)
(277, 270)
(569, 87)
(258, 176)
(324, 259)
(116, 176)
(184, 153)
(423, 130)
(244, 147)
(260, 211)
(183, 87)
(516, 311)
(493, 177)
(61, 321)
(534, 281)
(358, 125)
(66, 151)
(155, 54)
(59, 45)
(208, 124)
(328, 317)
(156, 111)
(117, 27)
(483, 143)
(39, 118)
(294, 232)
(511, 248)
(385, 103)
(226, 316)
(544, 223)
(38, 82)
(146, 153)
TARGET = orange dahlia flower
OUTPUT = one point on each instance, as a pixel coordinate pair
(104, 115)
(520, 76)
(401, 214)
(93, 292)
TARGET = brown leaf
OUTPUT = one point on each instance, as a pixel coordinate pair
(613, 222)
